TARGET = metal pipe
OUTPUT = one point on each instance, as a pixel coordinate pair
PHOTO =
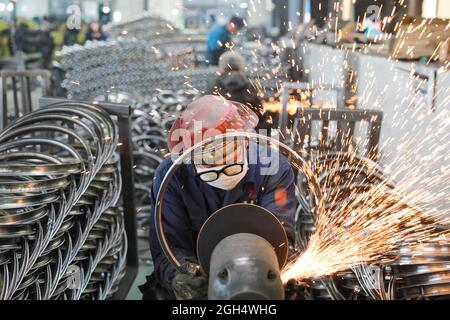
(415, 8)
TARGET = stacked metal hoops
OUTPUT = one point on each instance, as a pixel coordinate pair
(141, 27)
(151, 122)
(420, 273)
(61, 234)
(341, 175)
(147, 54)
(128, 65)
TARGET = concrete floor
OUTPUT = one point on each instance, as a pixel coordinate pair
(145, 269)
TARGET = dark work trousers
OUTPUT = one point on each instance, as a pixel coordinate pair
(213, 56)
(152, 290)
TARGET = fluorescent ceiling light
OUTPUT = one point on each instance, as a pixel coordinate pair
(117, 16)
(10, 7)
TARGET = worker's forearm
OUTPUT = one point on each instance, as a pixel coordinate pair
(165, 271)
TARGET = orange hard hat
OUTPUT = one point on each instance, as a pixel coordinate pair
(209, 116)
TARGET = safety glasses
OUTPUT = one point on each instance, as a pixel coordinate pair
(213, 175)
(233, 152)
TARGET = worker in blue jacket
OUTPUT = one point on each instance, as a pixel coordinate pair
(240, 172)
(219, 39)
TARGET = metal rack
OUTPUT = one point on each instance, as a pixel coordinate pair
(346, 121)
(303, 86)
(123, 113)
(21, 83)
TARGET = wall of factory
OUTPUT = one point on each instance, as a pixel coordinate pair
(444, 9)
(414, 116)
(324, 67)
(260, 13)
(128, 9)
(166, 8)
(32, 8)
(39, 8)
(414, 111)
(171, 10)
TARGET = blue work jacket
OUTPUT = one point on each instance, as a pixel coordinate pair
(218, 34)
(189, 202)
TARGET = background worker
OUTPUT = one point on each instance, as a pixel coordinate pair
(219, 39)
(233, 84)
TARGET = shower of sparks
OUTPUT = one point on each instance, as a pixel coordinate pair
(366, 227)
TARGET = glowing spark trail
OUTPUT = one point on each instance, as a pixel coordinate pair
(365, 227)
(368, 226)
(362, 229)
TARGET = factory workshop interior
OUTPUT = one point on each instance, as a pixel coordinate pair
(186, 150)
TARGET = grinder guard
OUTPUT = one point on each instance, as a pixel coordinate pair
(243, 247)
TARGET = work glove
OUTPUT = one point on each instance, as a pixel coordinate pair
(190, 283)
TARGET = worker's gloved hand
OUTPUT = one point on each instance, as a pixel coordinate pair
(190, 283)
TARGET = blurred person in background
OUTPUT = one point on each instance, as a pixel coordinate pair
(45, 23)
(70, 37)
(95, 32)
(233, 84)
(219, 38)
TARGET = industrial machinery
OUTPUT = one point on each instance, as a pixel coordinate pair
(239, 248)
(243, 258)
(242, 247)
